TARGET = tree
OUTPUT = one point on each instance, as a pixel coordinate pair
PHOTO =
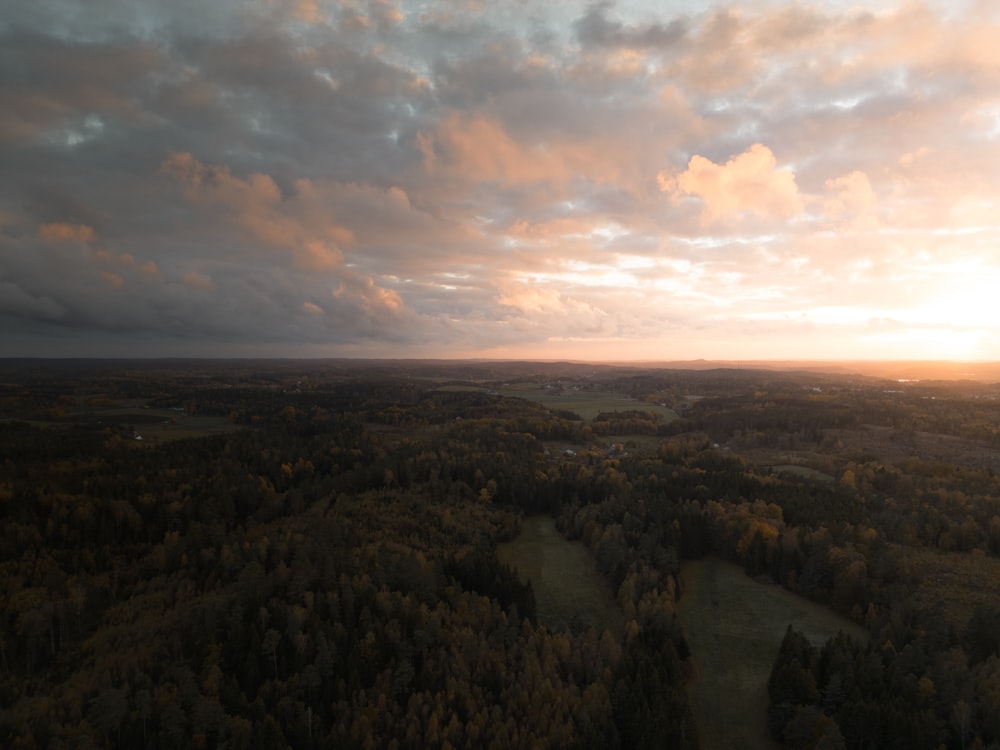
(269, 647)
(982, 634)
(961, 721)
(107, 710)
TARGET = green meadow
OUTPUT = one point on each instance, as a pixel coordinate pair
(804, 471)
(586, 403)
(569, 590)
(156, 425)
(734, 626)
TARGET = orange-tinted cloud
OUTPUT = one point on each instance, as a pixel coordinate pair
(386, 13)
(297, 222)
(113, 279)
(480, 150)
(459, 174)
(911, 157)
(853, 201)
(378, 298)
(749, 183)
(721, 56)
(529, 306)
(307, 11)
(196, 280)
(370, 303)
(61, 232)
(126, 260)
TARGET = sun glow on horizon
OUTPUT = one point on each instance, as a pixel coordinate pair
(956, 318)
(944, 343)
(965, 296)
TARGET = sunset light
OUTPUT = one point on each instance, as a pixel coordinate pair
(627, 180)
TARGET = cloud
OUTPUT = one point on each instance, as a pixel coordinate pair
(911, 157)
(17, 302)
(853, 201)
(196, 280)
(60, 232)
(480, 150)
(546, 312)
(112, 279)
(595, 28)
(750, 183)
(256, 206)
(126, 261)
(373, 177)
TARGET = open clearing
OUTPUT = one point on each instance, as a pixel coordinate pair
(804, 471)
(186, 427)
(158, 425)
(155, 425)
(587, 404)
(734, 627)
(569, 590)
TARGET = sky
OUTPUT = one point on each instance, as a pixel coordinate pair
(524, 179)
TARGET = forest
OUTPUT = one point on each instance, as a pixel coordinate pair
(302, 554)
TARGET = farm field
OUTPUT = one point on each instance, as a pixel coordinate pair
(586, 403)
(186, 427)
(734, 627)
(804, 471)
(569, 590)
(157, 425)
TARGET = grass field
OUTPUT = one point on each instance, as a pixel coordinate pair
(155, 425)
(734, 626)
(804, 471)
(195, 426)
(587, 404)
(569, 590)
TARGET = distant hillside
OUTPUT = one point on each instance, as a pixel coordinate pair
(918, 370)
